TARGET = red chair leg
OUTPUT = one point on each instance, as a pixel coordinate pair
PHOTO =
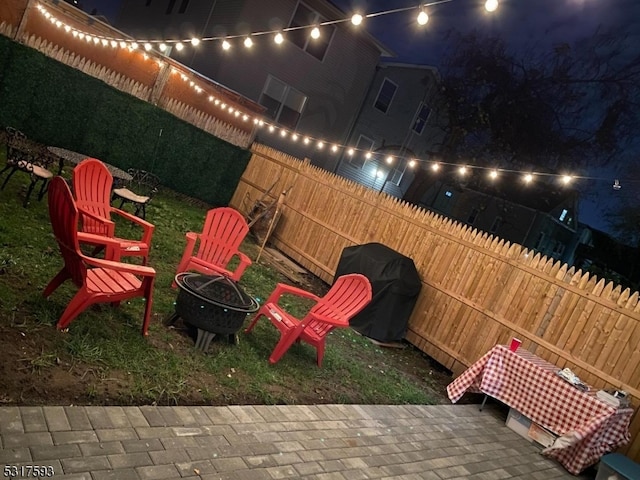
(78, 304)
(148, 298)
(55, 282)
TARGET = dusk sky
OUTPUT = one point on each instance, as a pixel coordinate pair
(525, 25)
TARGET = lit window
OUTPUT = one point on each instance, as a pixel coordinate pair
(448, 193)
(385, 95)
(304, 17)
(563, 214)
(284, 103)
(365, 144)
(422, 115)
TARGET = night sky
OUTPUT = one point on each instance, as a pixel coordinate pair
(525, 25)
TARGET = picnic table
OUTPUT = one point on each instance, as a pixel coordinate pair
(587, 427)
(75, 158)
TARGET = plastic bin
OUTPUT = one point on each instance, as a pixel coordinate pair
(615, 466)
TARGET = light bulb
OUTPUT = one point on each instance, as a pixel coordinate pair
(491, 5)
(389, 159)
(248, 42)
(351, 152)
(566, 179)
(306, 140)
(134, 45)
(493, 174)
(356, 19)
(195, 41)
(278, 38)
(226, 45)
(320, 145)
(435, 167)
(315, 33)
(162, 47)
(147, 46)
(462, 170)
(294, 137)
(271, 128)
(334, 148)
(412, 163)
(179, 46)
(423, 18)
(367, 155)
(528, 178)
(283, 133)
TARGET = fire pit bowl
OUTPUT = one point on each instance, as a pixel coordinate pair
(214, 304)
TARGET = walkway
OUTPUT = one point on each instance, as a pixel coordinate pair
(341, 442)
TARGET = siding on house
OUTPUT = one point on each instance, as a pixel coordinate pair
(334, 86)
(392, 131)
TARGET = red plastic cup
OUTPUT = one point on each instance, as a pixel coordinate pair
(515, 343)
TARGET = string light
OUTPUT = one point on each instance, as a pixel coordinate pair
(357, 19)
(423, 18)
(491, 5)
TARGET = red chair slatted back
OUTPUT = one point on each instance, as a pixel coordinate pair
(348, 295)
(64, 222)
(223, 232)
(92, 184)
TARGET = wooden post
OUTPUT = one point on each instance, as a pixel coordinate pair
(279, 205)
(23, 22)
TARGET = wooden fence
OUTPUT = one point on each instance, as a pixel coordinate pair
(148, 76)
(477, 290)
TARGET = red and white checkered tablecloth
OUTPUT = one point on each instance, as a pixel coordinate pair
(587, 427)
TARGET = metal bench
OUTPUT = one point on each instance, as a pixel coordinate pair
(138, 191)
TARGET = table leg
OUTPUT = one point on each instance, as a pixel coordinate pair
(484, 400)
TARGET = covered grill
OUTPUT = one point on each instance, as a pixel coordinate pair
(395, 286)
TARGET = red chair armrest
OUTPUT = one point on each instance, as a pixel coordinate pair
(121, 267)
(245, 261)
(110, 225)
(283, 288)
(192, 237)
(146, 226)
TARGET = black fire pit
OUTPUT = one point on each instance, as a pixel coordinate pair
(214, 304)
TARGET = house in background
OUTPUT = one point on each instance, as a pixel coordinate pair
(312, 86)
(399, 121)
(539, 216)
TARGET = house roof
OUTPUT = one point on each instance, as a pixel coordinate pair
(384, 50)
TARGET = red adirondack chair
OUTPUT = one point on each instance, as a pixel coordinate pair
(223, 232)
(348, 295)
(98, 280)
(92, 184)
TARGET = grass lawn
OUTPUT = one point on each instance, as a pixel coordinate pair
(103, 359)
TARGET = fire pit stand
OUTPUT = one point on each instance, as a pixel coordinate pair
(214, 304)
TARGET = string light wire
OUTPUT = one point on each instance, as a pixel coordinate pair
(309, 141)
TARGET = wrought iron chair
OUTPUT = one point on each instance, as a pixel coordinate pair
(348, 295)
(92, 184)
(98, 280)
(23, 156)
(138, 191)
(223, 232)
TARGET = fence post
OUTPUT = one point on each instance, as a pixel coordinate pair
(23, 21)
(159, 84)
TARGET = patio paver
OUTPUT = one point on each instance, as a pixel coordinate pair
(271, 442)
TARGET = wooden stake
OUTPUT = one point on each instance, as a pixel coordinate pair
(272, 223)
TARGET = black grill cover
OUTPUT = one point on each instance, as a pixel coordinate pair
(395, 287)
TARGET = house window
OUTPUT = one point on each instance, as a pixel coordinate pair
(385, 95)
(558, 249)
(540, 241)
(303, 17)
(420, 121)
(473, 216)
(563, 214)
(497, 223)
(284, 103)
(397, 171)
(183, 6)
(364, 145)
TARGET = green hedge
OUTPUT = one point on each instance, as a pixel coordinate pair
(57, 105)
